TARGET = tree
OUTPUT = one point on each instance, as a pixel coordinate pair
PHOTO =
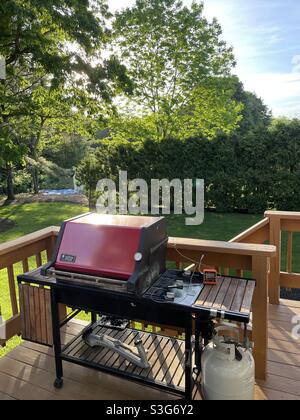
(284, 163)
(180, 68)
(11, 153)
(88, 174)
(54, 114)
(256, 115)
(53, 41)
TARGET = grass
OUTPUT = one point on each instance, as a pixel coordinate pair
(216, 226)
(32, 217)
(29, 218)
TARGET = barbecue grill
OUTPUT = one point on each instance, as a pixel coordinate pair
(114, 267)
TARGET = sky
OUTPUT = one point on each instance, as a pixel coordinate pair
(265, 35)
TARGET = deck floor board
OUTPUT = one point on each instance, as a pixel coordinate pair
(27, 372)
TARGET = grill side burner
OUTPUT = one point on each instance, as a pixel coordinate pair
(184, 288)
(122, 253)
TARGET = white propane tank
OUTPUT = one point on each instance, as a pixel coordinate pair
(228, 370)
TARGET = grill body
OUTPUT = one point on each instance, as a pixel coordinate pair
(124, 248)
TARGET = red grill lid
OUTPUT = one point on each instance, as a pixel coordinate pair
(101, 245)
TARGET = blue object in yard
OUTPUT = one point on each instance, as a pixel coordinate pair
(59, 192)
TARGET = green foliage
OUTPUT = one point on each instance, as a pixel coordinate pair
(251, 172)
(37, 29)
(11, 152)
(88, 174)
(66, 150)
(22, 182)
(255, 113)
(180, 69)
(57, 80)
(53, 176)
(285, 163)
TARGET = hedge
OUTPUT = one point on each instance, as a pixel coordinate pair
(253, 172)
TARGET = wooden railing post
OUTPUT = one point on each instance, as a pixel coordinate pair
(275, 266)
(260, 314)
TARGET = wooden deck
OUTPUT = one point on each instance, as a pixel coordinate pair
(28, 371)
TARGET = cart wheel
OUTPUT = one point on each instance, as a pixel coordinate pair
(58, 383)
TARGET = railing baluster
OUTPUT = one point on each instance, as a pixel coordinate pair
(289, 258)
(25, 265)
(275, 265)
(38, 259)
(12, 290)
(50, 247)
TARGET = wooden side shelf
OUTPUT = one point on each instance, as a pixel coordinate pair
(230, 294)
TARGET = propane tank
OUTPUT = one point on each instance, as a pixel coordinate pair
(228, 369)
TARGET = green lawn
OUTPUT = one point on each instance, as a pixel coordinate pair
(29, 218)
(32, 217)
(216, 226)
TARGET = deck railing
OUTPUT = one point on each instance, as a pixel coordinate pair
(251, 258)
(280, 222)
(270, 230)
(14, 254)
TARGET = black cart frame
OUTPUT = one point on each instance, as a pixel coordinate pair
(134, 308)
(130, 307)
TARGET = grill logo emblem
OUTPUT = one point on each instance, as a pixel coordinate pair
(68, 258)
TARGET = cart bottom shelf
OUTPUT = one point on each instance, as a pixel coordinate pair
(166, 356)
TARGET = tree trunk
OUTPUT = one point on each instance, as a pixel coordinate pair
(35, 180)
(10, 183)
(34, 168)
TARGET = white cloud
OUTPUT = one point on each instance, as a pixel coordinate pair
(271, 29)
(255, 48)
(280, 91)
(287, 110)
(274, 39)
